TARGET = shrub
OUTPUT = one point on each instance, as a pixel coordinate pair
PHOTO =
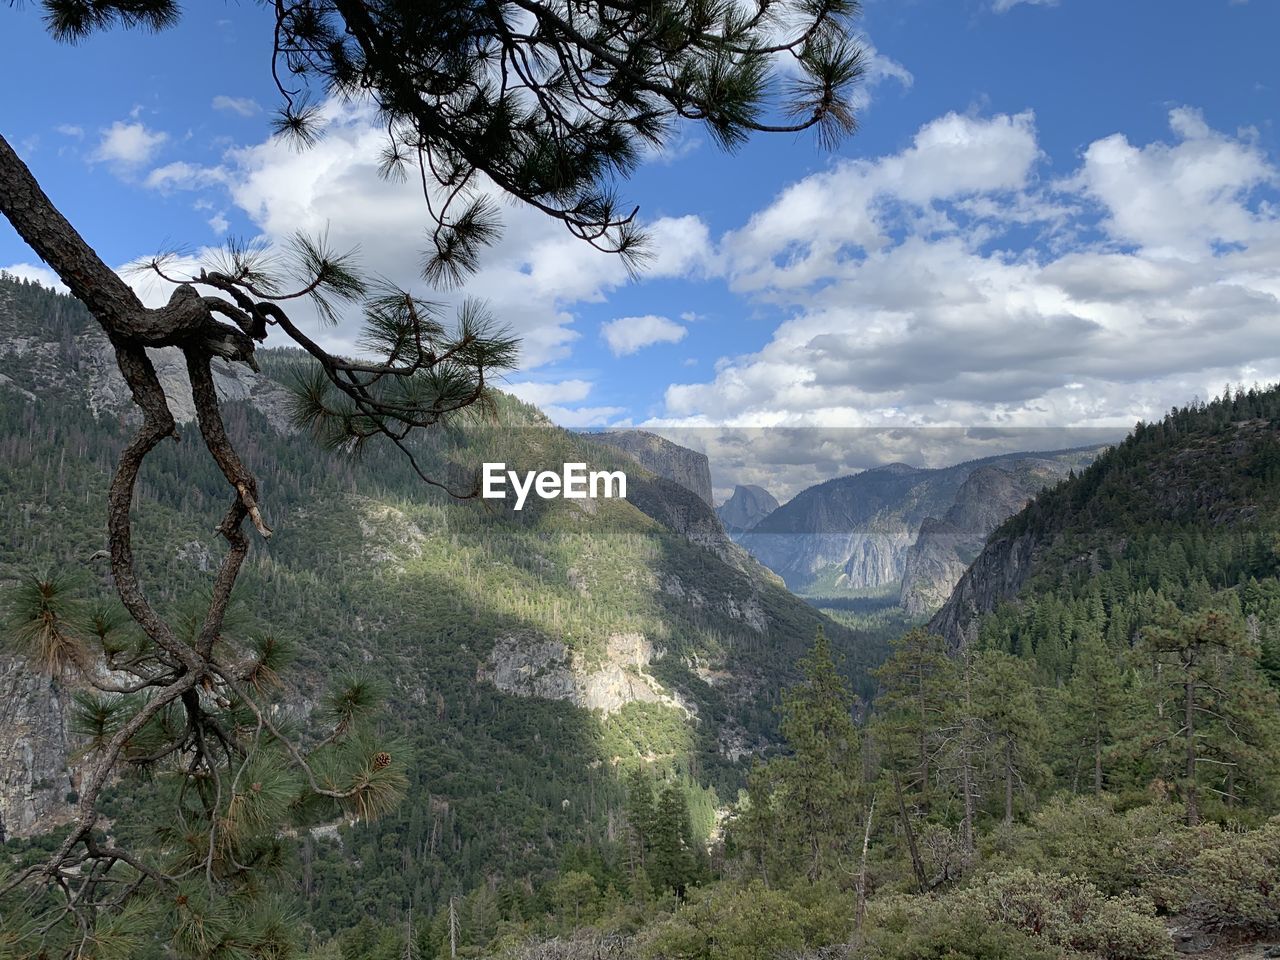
(751, 923)
(1160, 849)
(1018, 914)
(919, 928)
(1237, 883)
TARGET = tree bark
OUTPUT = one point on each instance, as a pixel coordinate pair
(917, 866)
(1189, 721)
(1008, 781)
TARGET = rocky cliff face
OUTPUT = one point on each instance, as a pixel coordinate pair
(1212, 476)
(531, 666)
(1000, 571)
(858, 532)
(79, 359)
(746, 507)
(679, 464)
(35, 780)
(946, 547)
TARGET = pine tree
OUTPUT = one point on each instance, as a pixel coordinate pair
(1005, 702)
(672, 858)
(1214, 716)
(805, 814)
(1092, 710)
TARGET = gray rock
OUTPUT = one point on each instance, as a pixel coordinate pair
(679, 464)
(532, 666)
(746, 507)
(35, 778)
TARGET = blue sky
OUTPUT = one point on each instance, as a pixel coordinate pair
(1054, 216)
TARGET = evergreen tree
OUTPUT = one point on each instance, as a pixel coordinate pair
(673, 860)
(1092, 709)
(1013, 723)
(804, 813)
(1212, 716)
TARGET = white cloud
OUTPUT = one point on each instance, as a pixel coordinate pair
(181, 175)
(626, 335)
(532, 278)
(878, 70)
(219, 224)
(244, 106)
(1178, 199)
(584, 416)
(1152, 275)
(815, 224)
(128, 146)
(545, 394)
(36, 273)
(70, 130)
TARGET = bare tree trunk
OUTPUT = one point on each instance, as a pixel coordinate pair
(917, 866)
(861, 909)
(1189, 720)
(1008, 781)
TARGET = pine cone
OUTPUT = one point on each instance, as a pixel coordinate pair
(381, 760)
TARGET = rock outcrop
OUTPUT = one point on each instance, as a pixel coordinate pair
(944, 548)
(689, 468)
(998, 574)
(533, 666)
(746, 507)
(35, 779)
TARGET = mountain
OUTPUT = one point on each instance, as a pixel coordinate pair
(1180, 510)
(531, 657)
(855, 533)
(746, 507)
(679, 464)
(945, 547)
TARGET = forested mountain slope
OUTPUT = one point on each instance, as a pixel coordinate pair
(531, 657)
(1181, 509)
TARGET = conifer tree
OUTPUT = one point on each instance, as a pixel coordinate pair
(804, 813)
(1093, 708)
(673, 860)
(1212, 716)
(1013, 723)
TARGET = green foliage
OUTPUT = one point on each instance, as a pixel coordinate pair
(752, 922)
(1236, 883)
(804, 809)
(1051, 914)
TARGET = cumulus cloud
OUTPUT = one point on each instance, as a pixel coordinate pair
(879, 69)
(626, 335)
(36, 273)
(949, 288)
(531, 279)
(551, 398)
(543, 394)
(181, 175)
(813, 226)
(128, 145)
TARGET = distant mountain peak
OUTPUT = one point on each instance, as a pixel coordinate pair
(747, 506)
